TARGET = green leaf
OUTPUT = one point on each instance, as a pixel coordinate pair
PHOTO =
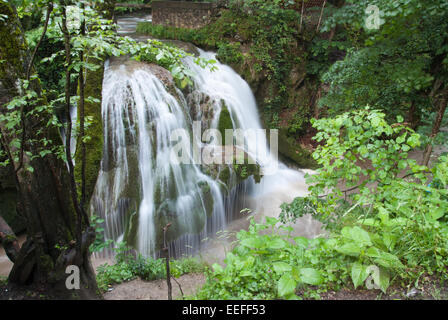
(217, 268)
(358, 235)
(382, 279)
(359, 274)
(438, 213)
(252, 242)
(276, 243)
(281, 267)
(350, 249)
(286, 285)
(384, 259)
(311, 276)
(271, 221)
(302, 242)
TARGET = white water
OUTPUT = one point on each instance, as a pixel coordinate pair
(138, 176)
(282, 184)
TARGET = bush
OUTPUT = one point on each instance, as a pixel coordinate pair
(392, 229)
(129, 267)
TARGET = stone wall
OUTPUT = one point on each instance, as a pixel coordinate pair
(182, 14)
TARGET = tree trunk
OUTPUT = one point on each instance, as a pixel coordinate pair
(414, 115)
(44, 192)
(9, 240)
(437, 123)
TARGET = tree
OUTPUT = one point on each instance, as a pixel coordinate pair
(42, 179)
(400, 67)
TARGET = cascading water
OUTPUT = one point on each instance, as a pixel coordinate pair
(281, 184)
(140, 188)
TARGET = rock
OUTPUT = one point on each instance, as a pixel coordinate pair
(186, 46)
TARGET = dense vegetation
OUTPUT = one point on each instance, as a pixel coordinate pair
(393, 228)
(263, 41)
(73, 39)
(128, 267)
(371, 98)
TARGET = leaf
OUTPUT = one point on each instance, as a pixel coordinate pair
(281, 267)
(311, 276)
(217, 268)
(277, 243)
(252, 242)
(350, 249)
(358, 235)
(382, 279)
(384, 259)
(286, 285)
(359, 274)
(271, 221)
(438, 213)
(301, 242)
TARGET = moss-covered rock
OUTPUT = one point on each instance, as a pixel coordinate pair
(94, 145)
(131, 225)
(207, 198)
(225, 121)
(289, 148)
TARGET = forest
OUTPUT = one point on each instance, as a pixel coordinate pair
(224, 150)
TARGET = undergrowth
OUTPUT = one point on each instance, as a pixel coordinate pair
(129, 267)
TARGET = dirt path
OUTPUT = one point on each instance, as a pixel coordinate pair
(5, 263)
(155, 290)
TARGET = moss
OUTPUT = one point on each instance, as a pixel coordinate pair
(244, 171)
(94, 146)
(46, 263)
(11, 43)
(207, 197)
(225, 121)
(224, 175)
(290, 149)
(131, 231)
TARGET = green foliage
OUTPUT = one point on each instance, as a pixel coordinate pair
(360, 149)
(390, 230)
(270, 265)
(100, 243)
(3, 280)
(260, 38)
(130, 10)
(394, 67)
(398, 225)
(99, 42)
(31, 105)
(129, 267)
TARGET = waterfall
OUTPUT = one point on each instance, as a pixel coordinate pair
(281, 183)
(141, 188)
